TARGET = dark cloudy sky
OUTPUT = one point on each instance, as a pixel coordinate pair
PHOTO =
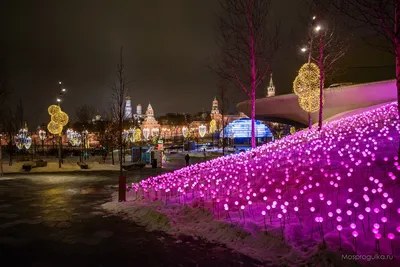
(168, 46)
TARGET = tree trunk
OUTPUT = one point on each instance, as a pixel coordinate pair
(321, 80)
(120, 142)
(1, 159)
(112, 156)
(309, 121)
(223, 133)
(397, 53)
(10, 146)
(253, 115)
(59, 151)
(253, 74)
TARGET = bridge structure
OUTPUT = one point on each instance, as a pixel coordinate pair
(339, 102)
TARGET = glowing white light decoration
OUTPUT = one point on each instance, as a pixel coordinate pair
(155, 132)
(202, 130)
(185, 132)
(42, 135)
(146, 133)
(74, 138)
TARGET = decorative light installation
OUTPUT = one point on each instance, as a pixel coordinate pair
(155, 132)
(54, 109)
(185, 132)
(242, 129)
(213, 126)
(131, 134)
(22, 140)
(306, 87)
(74, 138)
(202, 130)
(125, 135)
(138, 135)
(146, 133)
(42, 135)
(342, 179)
(58, 119)
(307, 80)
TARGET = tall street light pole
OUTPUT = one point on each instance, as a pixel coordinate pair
(60, 160)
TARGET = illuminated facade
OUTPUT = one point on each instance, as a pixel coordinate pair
(150, 122)
(240, 130)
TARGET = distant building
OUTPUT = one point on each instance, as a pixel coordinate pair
(215, 115)
(139, 109)
(150, 122)
(271, 88)
(128, 108)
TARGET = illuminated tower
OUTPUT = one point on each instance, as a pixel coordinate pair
(149, 111)
(139, 109)
(128, 108)
(215, 115)
(271, 88)
(150, 123)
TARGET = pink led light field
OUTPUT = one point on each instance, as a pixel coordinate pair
(338, 186)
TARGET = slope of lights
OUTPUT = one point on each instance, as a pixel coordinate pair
(338, 186)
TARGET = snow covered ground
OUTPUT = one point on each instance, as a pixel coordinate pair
(52, 166)
(308, 198)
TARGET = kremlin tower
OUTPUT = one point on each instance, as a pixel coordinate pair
(271, 88)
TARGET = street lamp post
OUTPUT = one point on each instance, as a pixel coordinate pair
(85, 134)
(42, 136)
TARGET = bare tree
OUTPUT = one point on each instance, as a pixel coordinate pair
(119, 93)
(3, 94)
(247, 46)
(84, 114)
(223, 103)
(381, 17)
(329, 49)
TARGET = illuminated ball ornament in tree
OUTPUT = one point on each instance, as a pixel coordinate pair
(60, 118)
(54, 127)
(53, 109)
(306, 87)
(310, 104)
(307, 81)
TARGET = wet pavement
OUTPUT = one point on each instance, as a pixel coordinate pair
(56, 220)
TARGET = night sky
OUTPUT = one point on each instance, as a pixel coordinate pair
(168, 46)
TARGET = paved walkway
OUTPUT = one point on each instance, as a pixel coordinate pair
(54, 220)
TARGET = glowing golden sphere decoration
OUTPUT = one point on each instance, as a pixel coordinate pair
(53, 109)
(58, 119)
(307, 81)
(54, 127)
(306, 87)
